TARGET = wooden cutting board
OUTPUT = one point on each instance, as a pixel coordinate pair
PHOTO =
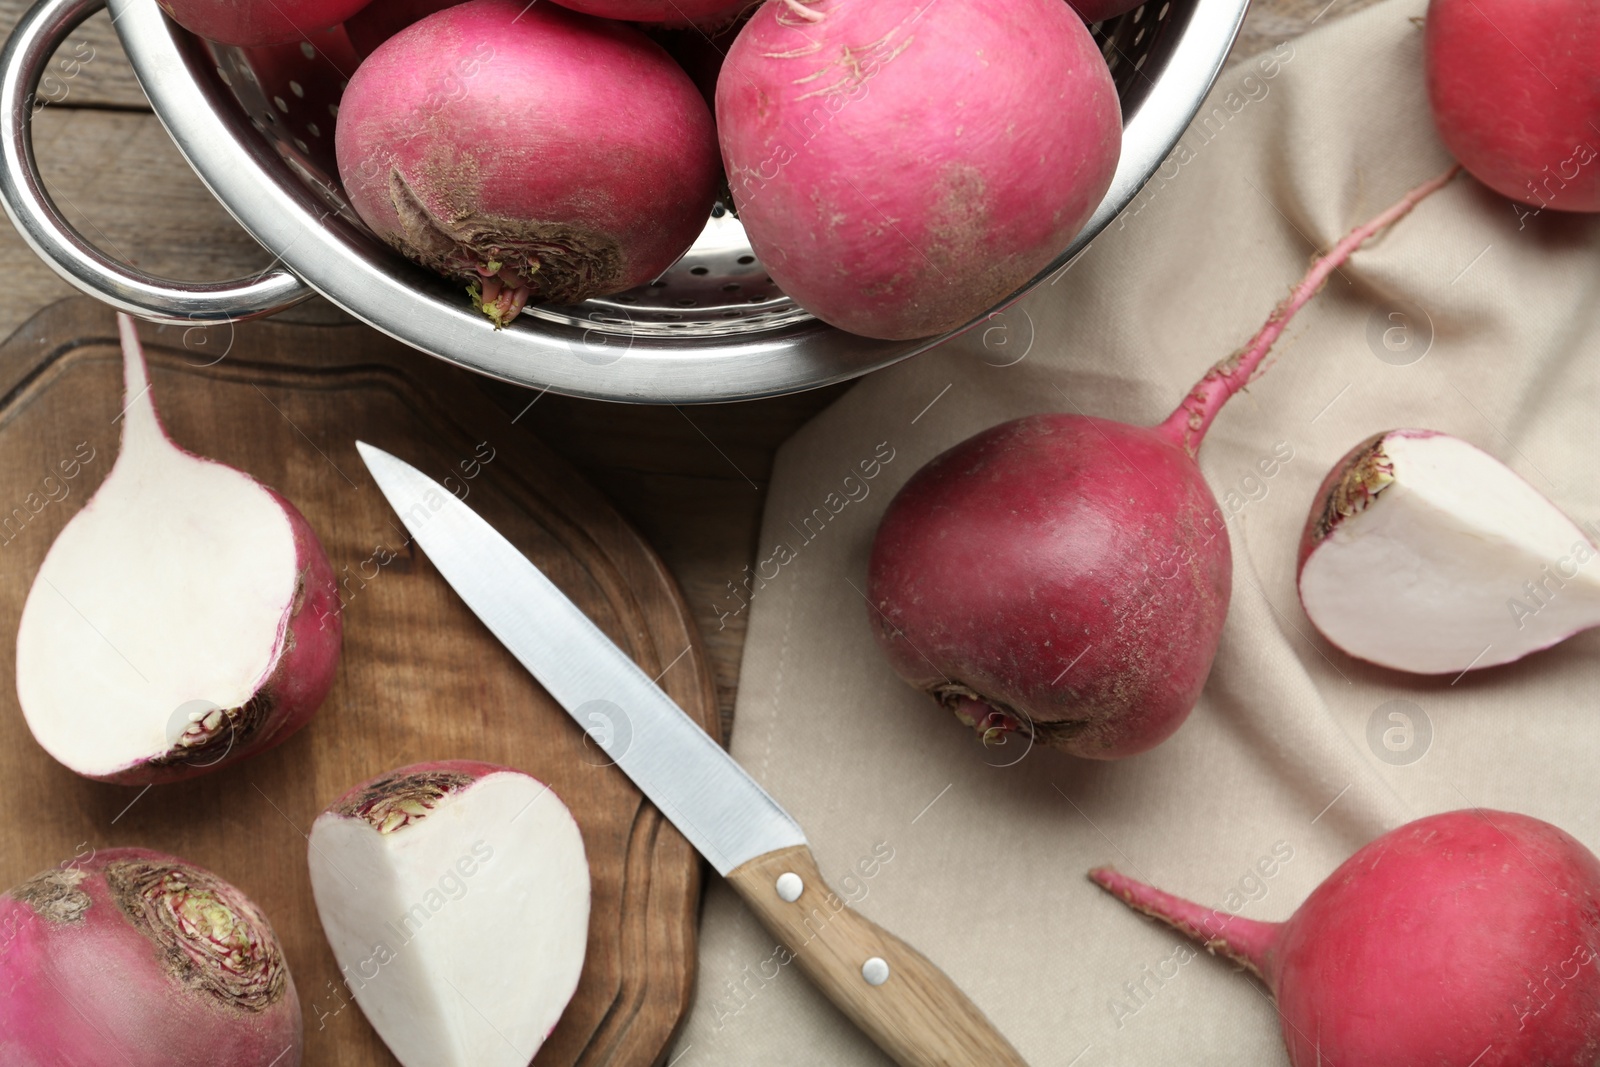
(420, 677)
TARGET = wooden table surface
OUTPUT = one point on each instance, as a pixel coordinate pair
(692, 480)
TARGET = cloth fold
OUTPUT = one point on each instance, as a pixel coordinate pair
(1471, 316)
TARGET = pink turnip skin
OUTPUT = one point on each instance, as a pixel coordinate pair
(705, 13)
(1471, 937)
(314, 635)
(252, 23)
(491, 142)
(1065, 578)
(898, 175)
(381, 20)
(1087, 660)
(138, 959)
(1515, 90)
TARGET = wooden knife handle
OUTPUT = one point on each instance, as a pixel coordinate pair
(913, 1012)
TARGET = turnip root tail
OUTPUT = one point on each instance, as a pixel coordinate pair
(1187, 425)
(141, 426)
(1245, 941)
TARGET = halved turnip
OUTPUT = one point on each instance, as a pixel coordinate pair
(455, 896)
(1426, 554)
(186, 617)
(131, 958)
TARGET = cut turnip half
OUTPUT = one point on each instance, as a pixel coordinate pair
(132, 958)
(455, 896)
(1426, 554)
(186, 617)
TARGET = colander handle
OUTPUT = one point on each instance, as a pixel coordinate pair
(33, 42)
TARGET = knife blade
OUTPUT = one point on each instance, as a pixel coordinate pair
(909, 1007)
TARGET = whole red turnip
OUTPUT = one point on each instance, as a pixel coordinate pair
(705, 13)
(1468, 938)
(1065, 578)
(251, 23)
(901, 166)
(379, 21)
(136, 959)
(531, 152)
(1515, 91)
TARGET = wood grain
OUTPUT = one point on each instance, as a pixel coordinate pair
(90, 69)
(917, 1015)
(420, 678)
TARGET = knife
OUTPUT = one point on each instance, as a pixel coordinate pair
(909, 1007)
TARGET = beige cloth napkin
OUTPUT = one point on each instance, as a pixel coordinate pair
(987, 863)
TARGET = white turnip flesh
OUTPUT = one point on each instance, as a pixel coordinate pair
(448, 884)
(185, 618)
(1423, 553)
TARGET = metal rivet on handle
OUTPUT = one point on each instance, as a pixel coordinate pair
(875, 971)
(790, 887)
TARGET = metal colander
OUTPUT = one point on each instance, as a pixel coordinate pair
(257, 126)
